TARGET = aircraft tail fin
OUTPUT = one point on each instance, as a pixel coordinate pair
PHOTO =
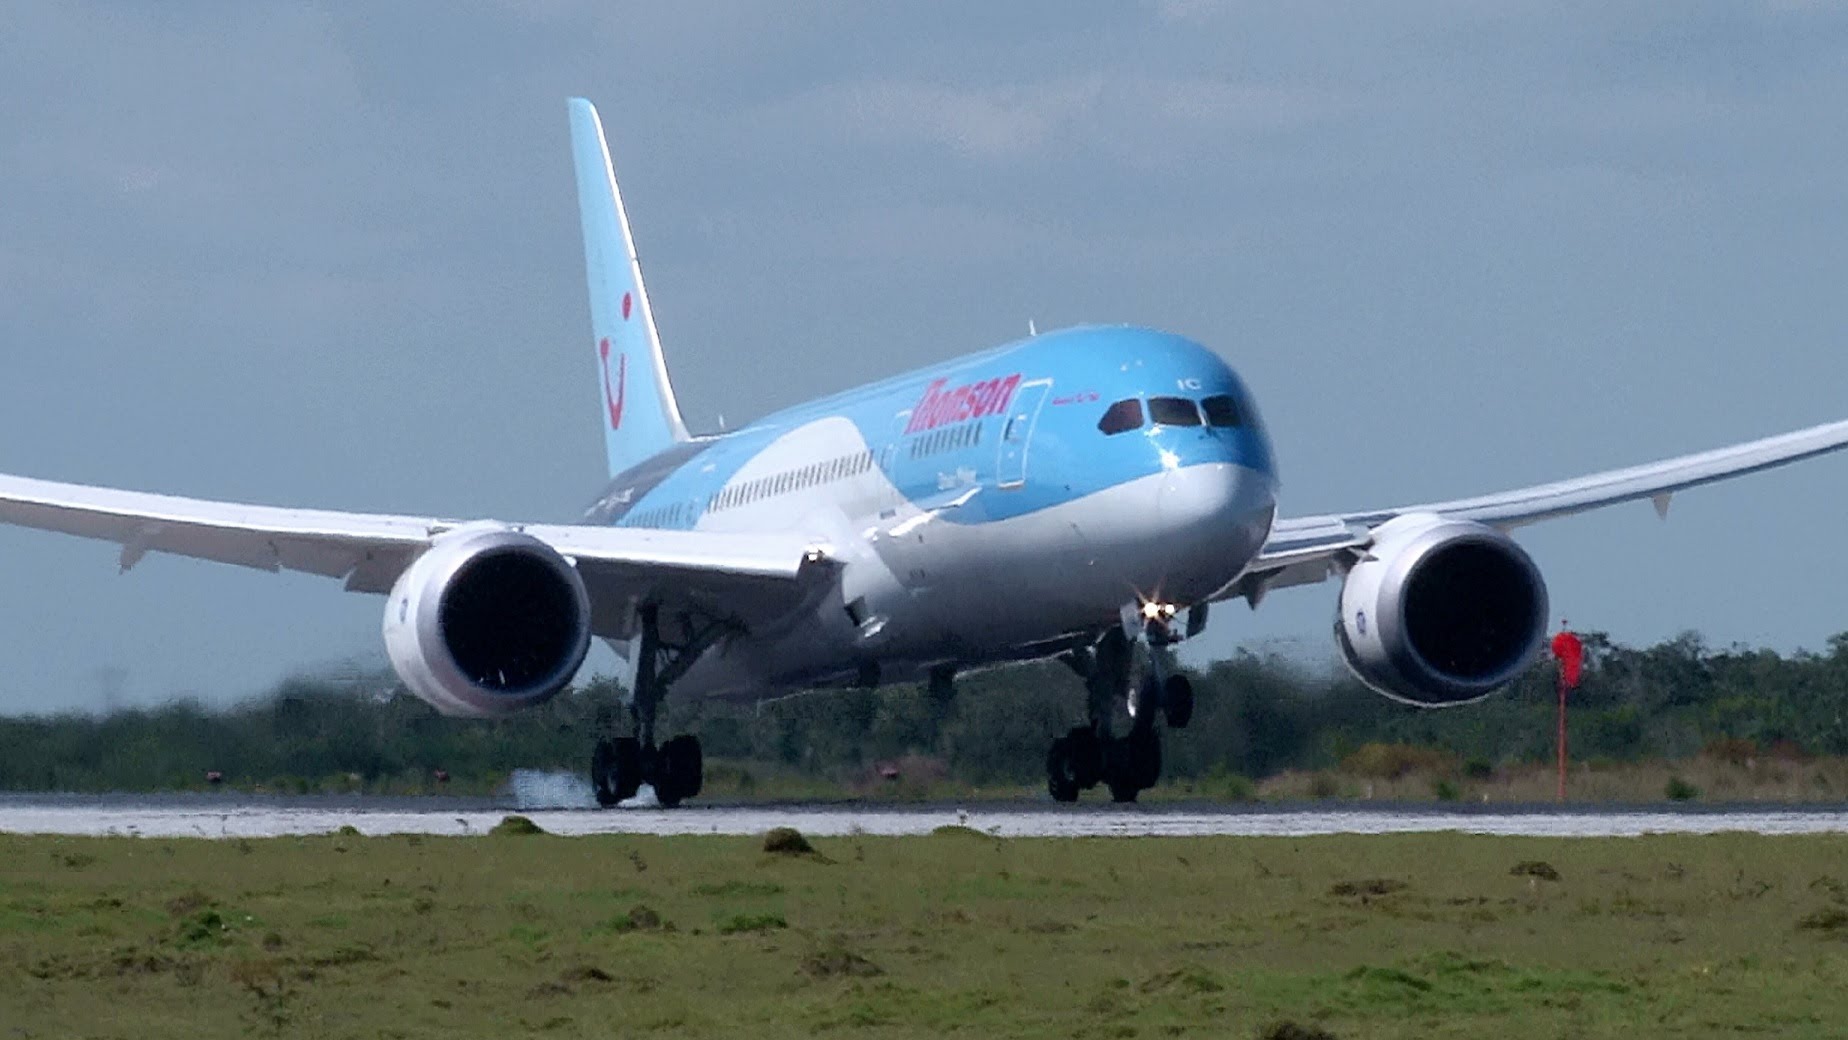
(640, 416)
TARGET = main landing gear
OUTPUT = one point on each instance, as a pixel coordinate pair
(1092, 754)
(676, 769)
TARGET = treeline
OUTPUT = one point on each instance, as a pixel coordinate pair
(1257, 715)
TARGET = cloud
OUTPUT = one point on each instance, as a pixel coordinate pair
(1000, 123)
(1146, 120)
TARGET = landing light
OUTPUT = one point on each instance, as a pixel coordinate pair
(1153, 611)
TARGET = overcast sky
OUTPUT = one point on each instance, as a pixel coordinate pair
(329, 256)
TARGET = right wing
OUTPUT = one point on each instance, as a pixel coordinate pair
(757, 574)
(1306, 550)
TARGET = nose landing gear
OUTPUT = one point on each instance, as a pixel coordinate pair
(1093, 754)
(1089, 755)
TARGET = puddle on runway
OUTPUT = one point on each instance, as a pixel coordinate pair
(529, 789)
(561, 803)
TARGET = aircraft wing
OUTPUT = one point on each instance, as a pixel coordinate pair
(1305, 550)
(370, 550)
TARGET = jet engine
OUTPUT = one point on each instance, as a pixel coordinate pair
(486, 622)
(1440, 612)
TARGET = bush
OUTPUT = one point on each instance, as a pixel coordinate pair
(738, 924)
(787, 841)
(1260, 715)
(516, 825)
(1235, 788)
(639, 918)
(1680, 790)
(1535, 868)
(1395, 761)
(1734, 751)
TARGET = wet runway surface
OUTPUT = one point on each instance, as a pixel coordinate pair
(562, 805)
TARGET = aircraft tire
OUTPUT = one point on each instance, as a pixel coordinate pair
(1177, 701)
(695, 767)
(1144, 756)
(600, 779)
(1061, 778)
(682, 766)
(677, 770)
(615, 770)
(1132, 764)
(1087, 756)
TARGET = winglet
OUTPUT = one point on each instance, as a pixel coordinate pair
(640, 416)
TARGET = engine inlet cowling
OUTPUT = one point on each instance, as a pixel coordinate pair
(486, 622)
(1441, 612)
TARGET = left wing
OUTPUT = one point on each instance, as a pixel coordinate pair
(370, 550)
(1305, 550)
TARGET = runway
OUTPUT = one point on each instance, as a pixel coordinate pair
(557, 804)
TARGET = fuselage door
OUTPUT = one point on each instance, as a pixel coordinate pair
(1017, 433)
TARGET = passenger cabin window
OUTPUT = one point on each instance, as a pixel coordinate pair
(1221, 410)
(1122, 417)
(1173, 411)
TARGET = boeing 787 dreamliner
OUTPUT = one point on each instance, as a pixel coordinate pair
(1086, 494)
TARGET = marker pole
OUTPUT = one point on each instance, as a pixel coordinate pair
(1561, 795)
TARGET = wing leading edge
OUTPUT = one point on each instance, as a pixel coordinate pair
(370, 550)
(1304, 550)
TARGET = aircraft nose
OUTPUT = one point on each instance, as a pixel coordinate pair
(1214, 517)
(1202, 495)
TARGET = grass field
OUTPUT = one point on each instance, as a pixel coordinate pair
(510, 935)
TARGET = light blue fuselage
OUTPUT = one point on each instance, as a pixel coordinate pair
(979, 510)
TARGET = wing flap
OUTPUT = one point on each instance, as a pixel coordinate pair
(616, 550)
(1312, 538)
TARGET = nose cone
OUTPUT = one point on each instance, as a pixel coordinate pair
(1198, 495)
(1214, 515)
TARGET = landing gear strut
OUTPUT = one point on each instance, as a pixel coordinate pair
(619, 766)
(1092, 753)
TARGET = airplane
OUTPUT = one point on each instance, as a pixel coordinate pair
(1086, 494)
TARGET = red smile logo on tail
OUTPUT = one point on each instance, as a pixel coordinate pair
(613, 398)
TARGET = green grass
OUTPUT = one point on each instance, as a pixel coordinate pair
(1354, 937)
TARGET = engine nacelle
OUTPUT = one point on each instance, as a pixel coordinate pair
(1441, 612)
(486, 622)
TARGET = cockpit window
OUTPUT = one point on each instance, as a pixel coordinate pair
(1173, 411)
(1222, 410)
(1122, 417)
